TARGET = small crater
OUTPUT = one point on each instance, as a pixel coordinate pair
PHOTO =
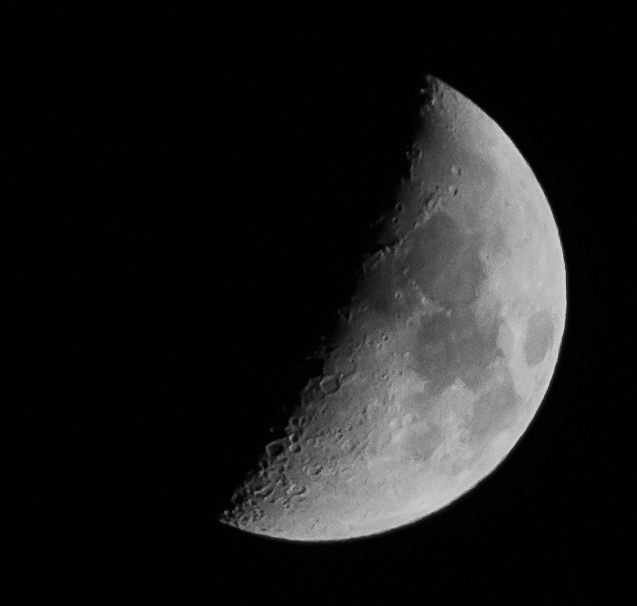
(314, 469)
(264, 491)
(330, 384)
(296, 422)
(296, 490)
(274, 449)
(294, 443)
(312, 394)
(381, 341)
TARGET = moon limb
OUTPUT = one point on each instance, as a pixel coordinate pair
(445, 356)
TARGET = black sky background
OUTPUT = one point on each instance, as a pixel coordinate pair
(187, 207)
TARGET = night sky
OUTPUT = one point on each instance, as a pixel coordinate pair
(187, 204)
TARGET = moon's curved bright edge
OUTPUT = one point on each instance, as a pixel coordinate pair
(445, 354)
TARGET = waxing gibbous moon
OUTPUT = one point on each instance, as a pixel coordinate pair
(443, 356)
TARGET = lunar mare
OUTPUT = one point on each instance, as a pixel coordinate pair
(442, 358)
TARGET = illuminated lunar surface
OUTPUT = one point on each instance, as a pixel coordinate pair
(443, 357)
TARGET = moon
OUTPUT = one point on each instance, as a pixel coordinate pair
(444, 355)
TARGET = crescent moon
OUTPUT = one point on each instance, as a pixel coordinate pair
(444, 355)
